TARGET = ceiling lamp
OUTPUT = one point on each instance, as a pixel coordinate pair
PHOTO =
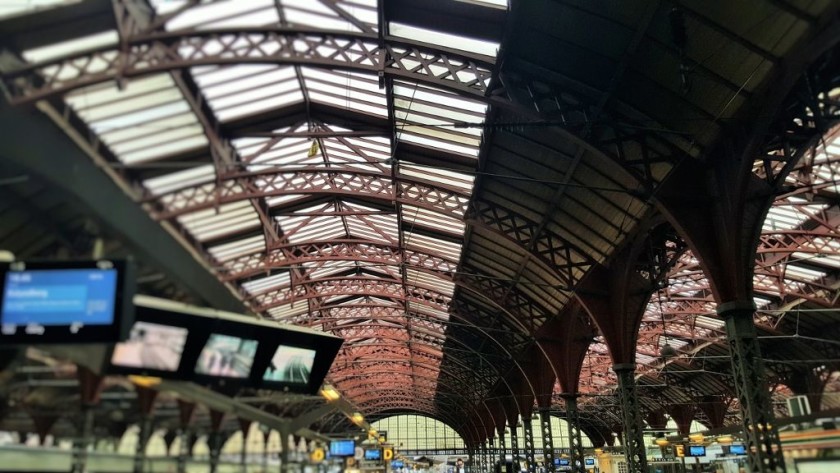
(357, 418)
(667, 351)
(661, 441)
(724, 439)
(696, 437)
(330, 393)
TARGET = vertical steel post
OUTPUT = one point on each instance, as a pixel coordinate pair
(575, 442)
(514, 443)
(634, 446)
(528, 431)
(547, 438)
(761, 435)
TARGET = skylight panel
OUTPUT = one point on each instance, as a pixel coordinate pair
(829, 260)
(247, 89)
(71, 47)
(430, 312)
(225, 14)
(427, 218)
(783, 218)
(315, 228)
(461, 181)
(488, 3)
(419, 242)
(181, 179)
(147, 119)
(228, 218)
(231, 250)
(422, 278)
(709, 322)
(289, 311)
(276, 281)
(803, 274)
(315, 15)
(448, 40)
(328, 268)
(11, 8)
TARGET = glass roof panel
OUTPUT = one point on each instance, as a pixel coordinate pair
(447, 40)
(434, 220)
(256, 286)
(420, 242)
(423, 278)
(248, 89)
(220, 14)
(428, 117)
(227, 219)
(458, 180)
(245, 246)
(348, 90)
(301, 229)
(69, 47)
(146, 120)
(177, 180)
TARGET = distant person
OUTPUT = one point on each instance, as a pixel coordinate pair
(459, 466)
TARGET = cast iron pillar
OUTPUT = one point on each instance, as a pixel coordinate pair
(502, 446)
(146, 401)
(548, 439)
(528, 430)
(185, 411)
(634, 446)
(764, 449)
(514, 442)
(89, 386)
(575, 442)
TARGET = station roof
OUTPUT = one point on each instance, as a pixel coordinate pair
(431, 181)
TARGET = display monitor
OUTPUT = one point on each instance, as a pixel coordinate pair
(226, 356)
(589, 462)
(737, 449)
(561, 462)
(342, 448)
(696, 451)
(65, 302)
(373, 454)
(151, 346)
(291, 365)
(397, 464)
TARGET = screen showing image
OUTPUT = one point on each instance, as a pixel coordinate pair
(151, 346)
(226, 356)
(74, 297)
(589, 462)
(290, 365)
(737, 450)
(561, 461)
(397, 464)
(342, 448)
(373, 454)
(696, 451)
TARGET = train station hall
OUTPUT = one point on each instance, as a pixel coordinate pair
(420, 236)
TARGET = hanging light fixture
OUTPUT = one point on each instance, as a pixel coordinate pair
(661, 441)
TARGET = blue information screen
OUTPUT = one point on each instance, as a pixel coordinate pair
(342, 448)
(59, 297)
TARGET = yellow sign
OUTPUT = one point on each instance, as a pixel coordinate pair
(317, 455)
(387, 454)
(679, 450)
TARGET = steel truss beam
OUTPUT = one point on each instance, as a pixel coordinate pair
(147, 52)
(332, 181)
(312, 254)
